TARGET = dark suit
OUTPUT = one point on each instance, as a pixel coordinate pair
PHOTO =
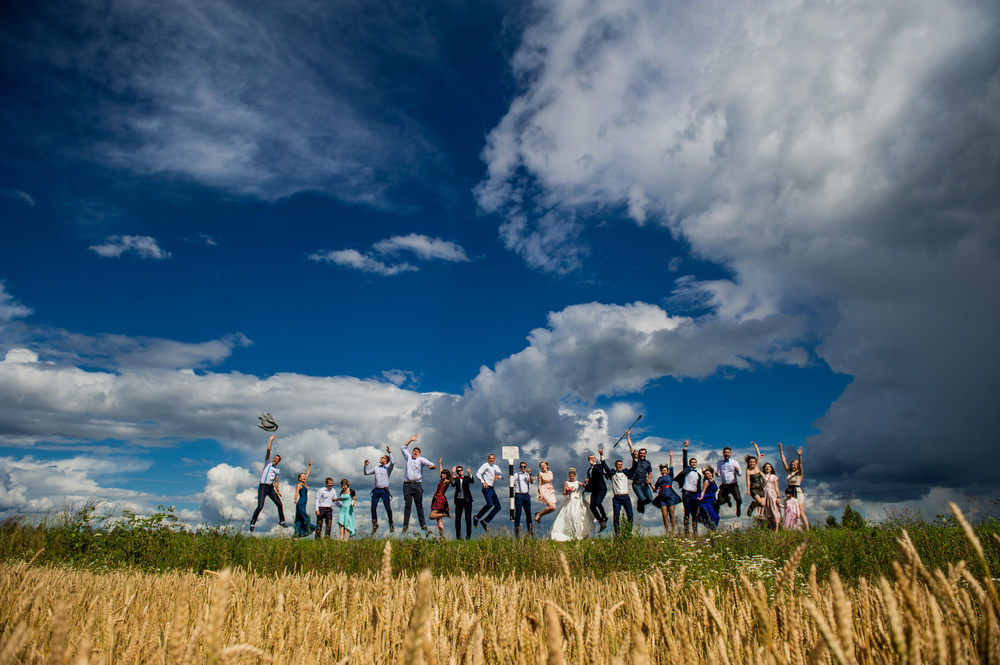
(463, 505)
(690, 499)
(598, 490)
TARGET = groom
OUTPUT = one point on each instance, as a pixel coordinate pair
(598, 489)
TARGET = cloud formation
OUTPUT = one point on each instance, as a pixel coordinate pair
(18, 194)
(255, 98)
(838, 159)
(144, 247)
(10, 308)
(422, 247)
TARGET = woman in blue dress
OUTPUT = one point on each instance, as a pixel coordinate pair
(303, 526)
(666, 498)
(346, 518)
(706, 499)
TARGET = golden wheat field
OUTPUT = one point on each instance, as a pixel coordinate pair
(922, 616)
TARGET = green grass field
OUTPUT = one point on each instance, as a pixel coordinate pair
(156, 543)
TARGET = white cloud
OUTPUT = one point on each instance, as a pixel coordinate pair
(10, 308)
(144, 247)
(838, 159)
(38, 487)
(424, 247)
(352, 258)
(207, 239)
(18, 194)
(398, 377)
(637, 203)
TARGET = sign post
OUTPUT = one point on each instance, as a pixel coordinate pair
(511, 453)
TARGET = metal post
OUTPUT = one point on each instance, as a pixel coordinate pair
(510, 477)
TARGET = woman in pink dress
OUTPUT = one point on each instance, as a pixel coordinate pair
(772, 509)
(792, 517)
(546, 492)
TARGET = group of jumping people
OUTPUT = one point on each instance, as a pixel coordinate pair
(702, 493)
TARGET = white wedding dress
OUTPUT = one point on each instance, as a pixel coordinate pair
(573, 519)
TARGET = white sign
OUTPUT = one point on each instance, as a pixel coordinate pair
(510, 453)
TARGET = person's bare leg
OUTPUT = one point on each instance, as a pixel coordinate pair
(673, 518)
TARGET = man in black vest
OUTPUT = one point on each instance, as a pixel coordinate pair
(598, 489)
(690, 481)
(462, 482)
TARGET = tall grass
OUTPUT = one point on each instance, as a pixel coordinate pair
(713, 559)
(924, 615)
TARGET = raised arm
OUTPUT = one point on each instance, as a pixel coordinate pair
(628, 440)
(801, 472)
(309, 468)
(267, 455)
(608, 473)
(760, 457)
(684, 455)
(781, 454)
(405, 448)
(367, 472)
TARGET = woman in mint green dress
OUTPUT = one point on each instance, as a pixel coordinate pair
(347, 500)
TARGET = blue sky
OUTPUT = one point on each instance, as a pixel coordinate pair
(501, 224)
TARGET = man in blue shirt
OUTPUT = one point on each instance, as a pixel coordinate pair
(642, 475)
(381, 490)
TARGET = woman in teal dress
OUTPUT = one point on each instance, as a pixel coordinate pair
(303, 525)
(346, 519)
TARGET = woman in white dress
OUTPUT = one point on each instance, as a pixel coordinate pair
(573, 519)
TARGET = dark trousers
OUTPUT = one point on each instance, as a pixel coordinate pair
(382, 494)
(597, 505)
(643, 496)
(732, 489)
(617, 503)
(413, 493)
(691, 510)
(267, 492)
(463, 508)
(325, 515)
(522, 502)
(492, 502)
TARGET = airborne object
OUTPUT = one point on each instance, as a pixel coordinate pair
(267, 423)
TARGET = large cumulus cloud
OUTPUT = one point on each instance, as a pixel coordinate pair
(840, 159)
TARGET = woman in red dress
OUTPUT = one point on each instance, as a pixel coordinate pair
(439, 503)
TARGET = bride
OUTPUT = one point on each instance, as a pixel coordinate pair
(573, 520)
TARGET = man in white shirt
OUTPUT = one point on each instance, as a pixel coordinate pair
(729, 472)
(619, 478)
(522, 498)
(413, 478)
(488, 474)
(268, 488)
(690, 481)
(324, 508)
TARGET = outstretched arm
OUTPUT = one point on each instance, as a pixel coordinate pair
(800, 460)
(309, 467)
(684, 455)
(267, 455)
(759, 456)
(781, 454)
(628, 440)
